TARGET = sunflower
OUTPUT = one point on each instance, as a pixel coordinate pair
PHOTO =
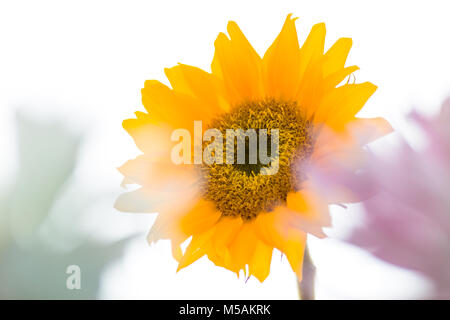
(233, 213)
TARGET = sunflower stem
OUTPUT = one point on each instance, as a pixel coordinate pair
(306, 286)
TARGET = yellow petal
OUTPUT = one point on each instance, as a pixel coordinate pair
(307, 204)
(309, 92)
(312, 49)
(243, 247)
(216, 68)
(197, 248)
(199, 84)
(335, 57)
(226, 231)
(200, 218)
(220, 67)
(311, 212)
(176, 250)
(151, 138)
(335, 78)
(281, 63)
(174, 108)
(260, 263)
(294, 249)
(343, 103)
(269, 228)
(170, 213)
(312, 92)
(238, 64)
(275, 230)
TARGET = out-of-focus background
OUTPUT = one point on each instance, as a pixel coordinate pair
(70, 72)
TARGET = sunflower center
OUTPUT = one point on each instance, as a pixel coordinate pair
(243, 189)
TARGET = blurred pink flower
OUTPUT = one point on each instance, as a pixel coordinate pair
(407, 202)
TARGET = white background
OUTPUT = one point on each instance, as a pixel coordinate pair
(84, 63)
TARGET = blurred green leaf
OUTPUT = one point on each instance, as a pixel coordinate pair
(47, 154)
(33, 265)
(40, 273)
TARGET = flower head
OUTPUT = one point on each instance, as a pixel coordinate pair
(407, 220)
(237, 213)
